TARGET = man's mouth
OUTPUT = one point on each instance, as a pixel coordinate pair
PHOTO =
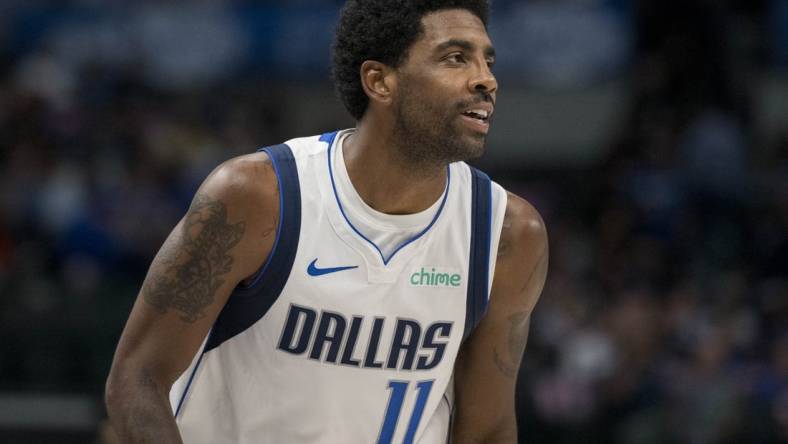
(478, 114)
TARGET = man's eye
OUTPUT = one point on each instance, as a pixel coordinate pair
(456, 58)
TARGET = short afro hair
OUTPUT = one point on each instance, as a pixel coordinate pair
(382, 30)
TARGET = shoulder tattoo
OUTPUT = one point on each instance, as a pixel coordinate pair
(194, 261)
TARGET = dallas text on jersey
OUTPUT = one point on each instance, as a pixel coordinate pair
(411, 343)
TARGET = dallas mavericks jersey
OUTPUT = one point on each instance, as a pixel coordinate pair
(333, 342)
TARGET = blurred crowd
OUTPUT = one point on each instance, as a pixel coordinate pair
(665, 315)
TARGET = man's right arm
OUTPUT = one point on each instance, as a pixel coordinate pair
(223, 239)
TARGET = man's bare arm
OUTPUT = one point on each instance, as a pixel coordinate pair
(194, 262)
(220, 241)
(487, 366)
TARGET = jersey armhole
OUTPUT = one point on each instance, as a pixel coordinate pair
(249, 303)
(480, 251)
(499, 201)
(257, 276)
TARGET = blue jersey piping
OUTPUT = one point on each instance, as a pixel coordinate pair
(329, 138)
(189, 383)
(261, 272)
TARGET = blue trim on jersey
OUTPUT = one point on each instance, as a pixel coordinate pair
(329, 138)
(481, 240)
(261, 271)
(451, 418)
(189, 383)
(249, 304)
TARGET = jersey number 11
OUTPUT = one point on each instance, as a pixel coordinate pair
(398, 390)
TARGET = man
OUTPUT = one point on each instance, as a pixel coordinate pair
(355, 287)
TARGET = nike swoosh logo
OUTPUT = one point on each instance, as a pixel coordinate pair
(313, 270)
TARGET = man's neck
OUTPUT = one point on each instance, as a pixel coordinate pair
(385, 179)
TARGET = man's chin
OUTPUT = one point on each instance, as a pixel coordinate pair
(475, 146)
(476, 153)
(468, 152)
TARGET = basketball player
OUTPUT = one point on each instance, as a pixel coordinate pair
(361, 286)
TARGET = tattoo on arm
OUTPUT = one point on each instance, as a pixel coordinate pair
(519, 324)
(518, 337)
(195, 260)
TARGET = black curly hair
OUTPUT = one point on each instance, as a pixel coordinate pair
(382, 30)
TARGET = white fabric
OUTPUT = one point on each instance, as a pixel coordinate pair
(250, 389)
(386, 231)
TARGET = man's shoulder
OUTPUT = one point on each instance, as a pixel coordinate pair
(251, 180)
(245, 184)
(523, 235)
(524, 218)
(244, 173)
(522, 256)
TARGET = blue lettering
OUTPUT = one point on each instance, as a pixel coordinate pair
(374, 342)
(410, 346)
(350, 346)
(294, 316)
(323, 336)
(443, 330)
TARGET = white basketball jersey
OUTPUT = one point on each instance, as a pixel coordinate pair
(334, 343)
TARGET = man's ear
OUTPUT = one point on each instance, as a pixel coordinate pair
(379, 81)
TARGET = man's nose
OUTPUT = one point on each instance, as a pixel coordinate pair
(484, 81)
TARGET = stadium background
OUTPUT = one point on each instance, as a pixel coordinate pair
(651, 135)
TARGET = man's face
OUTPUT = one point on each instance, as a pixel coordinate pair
(446, 91)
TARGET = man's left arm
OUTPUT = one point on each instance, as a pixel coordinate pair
(487, 365)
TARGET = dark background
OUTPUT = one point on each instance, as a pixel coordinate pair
(651, 135)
